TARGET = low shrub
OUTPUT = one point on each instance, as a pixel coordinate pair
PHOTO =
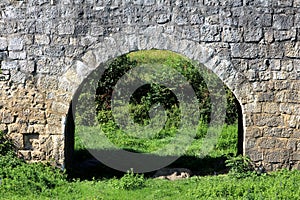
(130, 181)
(21, 178)
(240, 167)
(30, 178)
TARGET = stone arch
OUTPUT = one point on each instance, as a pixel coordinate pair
(120, 44)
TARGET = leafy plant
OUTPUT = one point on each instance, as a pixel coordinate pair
(31, 178)
(240, 166)
(131, 181)
(20, 177)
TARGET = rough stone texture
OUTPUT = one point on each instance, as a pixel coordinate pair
(47, 48)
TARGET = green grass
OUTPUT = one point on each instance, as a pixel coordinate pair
(278, 185)
(226, 144)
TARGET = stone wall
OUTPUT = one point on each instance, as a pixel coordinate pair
(48, 47)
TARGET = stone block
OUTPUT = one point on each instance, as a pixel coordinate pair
(253, 34)
(8, 65)
(259, 3)
(252, 75)
(255, 156)
(296, 109)
(277, 156)
(17, 55)
(292, 50)
(287, 65)
(295, 156)
(96, 29)
(42, 65)
(45, 26)
(244, 50)
(265, 97)
(55, 51)
(39, 129)
(269, 36)
(13, 128)
(292, 144)
(253, 107)
(66, 28)
(285, 108)
(270, 108)
(254, 132)
(280, 75)
(211, 2)
(250, 143)
(231, 34)
(25, 129)
(280, 86)
(265, 76)
(18, 77)
(27, 66)
(293, 96)
(210, 33)
(267, 143)
(260, 87)
(272, 132)
(81, 28)
(268, 120)
(149, 2)
(15, 43)
(292, 121)
(282, 35)
(59, 107)
(191, 33)
(47, 82)
(274, 50)
(196, 19)
(41, 39)
(232, 3)
(283, 22)
(3, 43)
(181, 20)
(275, 65)
(7, 118)
(212, 20)
(284, 3)
(89, 59)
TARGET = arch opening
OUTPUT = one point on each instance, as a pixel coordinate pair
(141, 114)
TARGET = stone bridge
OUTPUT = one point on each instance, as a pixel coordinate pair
(48, 47)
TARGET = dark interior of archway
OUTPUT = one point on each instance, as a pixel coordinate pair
(81, 164)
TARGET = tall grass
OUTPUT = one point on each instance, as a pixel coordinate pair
(226, 144)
